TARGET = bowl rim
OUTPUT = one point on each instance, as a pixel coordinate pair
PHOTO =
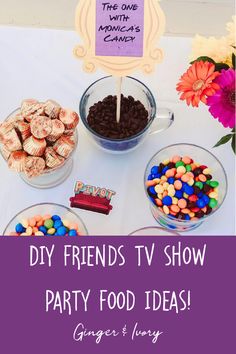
(84, 120)
(174, 233)
(51, 204)
(187, 222)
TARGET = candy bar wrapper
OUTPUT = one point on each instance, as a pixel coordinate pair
(64, 146)
(23, 128)
(5, 128)
(58, 129)
(34, 166)
(69, 118)
(53, 160)
(41, 127)
(5, 152)
(12, 141)
(34, 147)
(31, 108)
(52, 109)
(16, 161)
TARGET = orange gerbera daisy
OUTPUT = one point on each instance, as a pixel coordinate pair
(197, 83)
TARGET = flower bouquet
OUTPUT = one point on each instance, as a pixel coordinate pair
(211, 79)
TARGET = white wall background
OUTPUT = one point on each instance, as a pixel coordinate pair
(184, 17)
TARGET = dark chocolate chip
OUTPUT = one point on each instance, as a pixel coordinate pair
(197, 190)
(200, 214)
(171, 165)
(197, 171)
(191, 205)
(206, 188)
(160, 168)
(208, 177)
(133, 119)
(181, 216)
(209, 210)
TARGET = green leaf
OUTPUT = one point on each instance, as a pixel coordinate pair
(221, 66)
(233, 144)
(203, 58)
(233, 60)
(224, 140)
(233, 130)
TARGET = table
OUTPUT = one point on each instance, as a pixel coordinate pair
(39, 63)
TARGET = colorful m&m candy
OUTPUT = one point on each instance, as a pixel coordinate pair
(182, 188)
(46, 225)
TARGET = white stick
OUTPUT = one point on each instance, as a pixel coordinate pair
(118, 90)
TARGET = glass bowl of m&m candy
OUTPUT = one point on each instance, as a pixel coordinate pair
(185, 185)
(46, 219)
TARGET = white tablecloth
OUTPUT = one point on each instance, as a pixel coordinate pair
(39, 63)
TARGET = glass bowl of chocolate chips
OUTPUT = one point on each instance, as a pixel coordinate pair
(138, 115)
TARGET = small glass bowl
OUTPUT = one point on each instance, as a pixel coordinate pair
(43, 209)
(153, 231)
(199, 155)
(50, 178)
(158, 119)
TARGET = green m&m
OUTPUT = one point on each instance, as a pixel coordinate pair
(48, 223)
(179, 163)
(188, 168)
(214, 184)
(199, 184)
(213, 203)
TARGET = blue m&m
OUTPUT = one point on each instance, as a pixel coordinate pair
(167, 200)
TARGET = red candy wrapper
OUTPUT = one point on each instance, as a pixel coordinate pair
(92, 198)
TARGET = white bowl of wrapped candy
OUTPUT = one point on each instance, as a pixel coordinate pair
(38, 141)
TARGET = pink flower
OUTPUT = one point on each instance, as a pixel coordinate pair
(222, 103)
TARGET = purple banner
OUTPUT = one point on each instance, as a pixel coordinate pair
(101, 295)
(119, 28)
